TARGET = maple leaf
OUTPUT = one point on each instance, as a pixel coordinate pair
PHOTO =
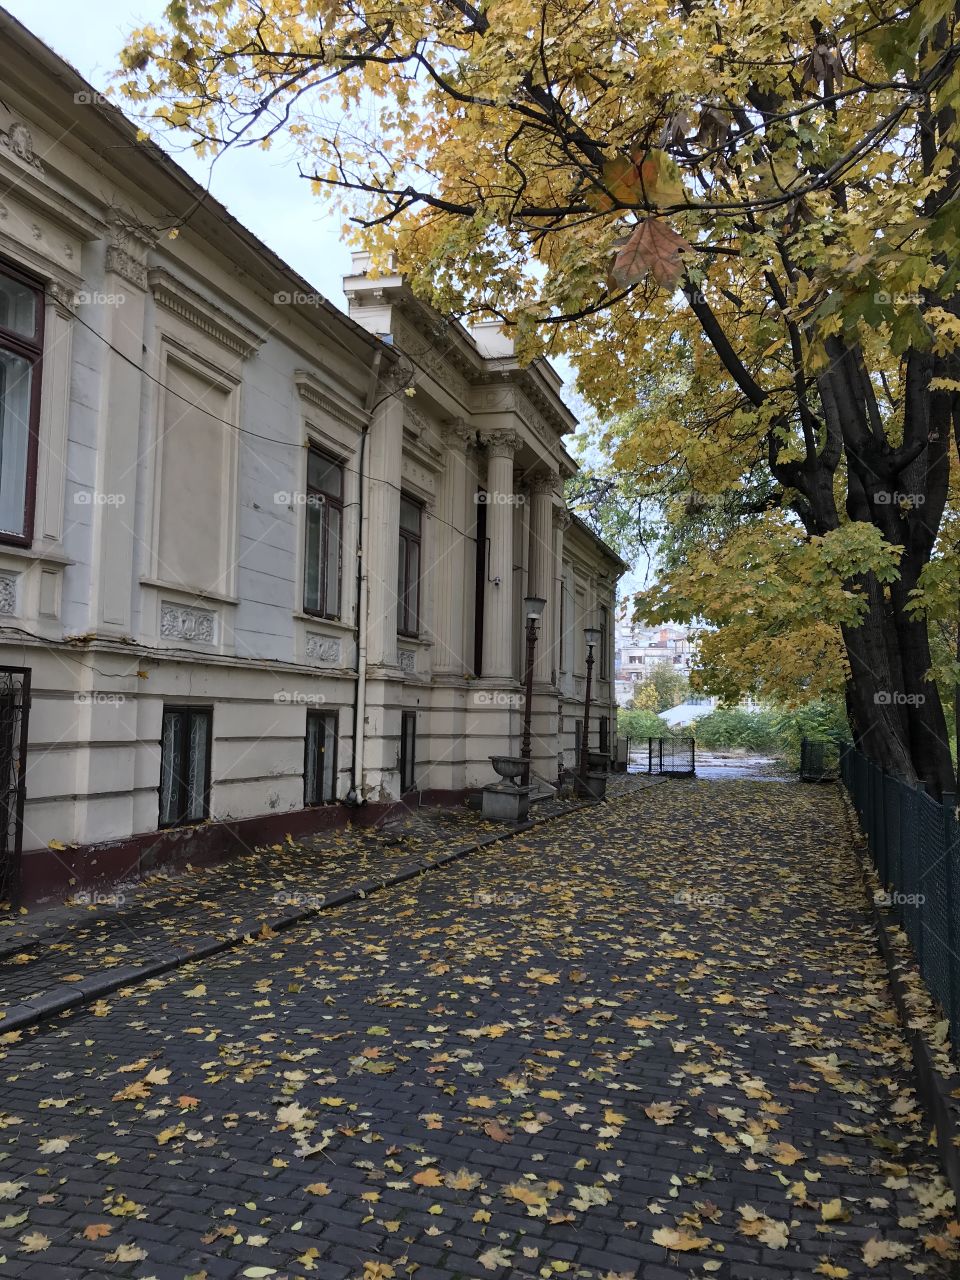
(428, 1178)
(662, 1112)
(493, 1129)
(96, 1230)
(35, 1242)
(679, 1241)
(493, 1258)
(126, 1253)
(10, 1190)
(462, 1180)
(651, 247)
(877, 1251)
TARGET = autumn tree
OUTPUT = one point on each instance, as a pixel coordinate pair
(750, 206)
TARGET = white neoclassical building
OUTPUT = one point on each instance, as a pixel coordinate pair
(262, 565)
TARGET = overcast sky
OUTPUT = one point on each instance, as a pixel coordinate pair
(261, 188)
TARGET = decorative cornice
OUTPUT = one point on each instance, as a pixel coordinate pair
(18, 140)
(127, 250)
(459, 434)
(177, 297)
(324, 397)
(501, 444)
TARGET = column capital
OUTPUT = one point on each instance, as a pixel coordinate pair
(501, 444)
(543, 481)
(458, 434)
(562, 518)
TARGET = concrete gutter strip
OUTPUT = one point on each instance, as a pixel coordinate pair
(66, 997)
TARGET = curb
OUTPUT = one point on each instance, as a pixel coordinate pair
(933, 1088)
(68, 997)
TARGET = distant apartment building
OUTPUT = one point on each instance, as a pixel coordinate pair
(639, 649)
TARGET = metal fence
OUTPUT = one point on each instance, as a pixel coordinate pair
(819, 760)
(675, 756)
(914, 841)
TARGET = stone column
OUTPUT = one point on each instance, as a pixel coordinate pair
(451, 548)
(498, 586)
(540, 573)
(561, 522)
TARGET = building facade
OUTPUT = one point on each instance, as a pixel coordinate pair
(262, 564)
(639, 650)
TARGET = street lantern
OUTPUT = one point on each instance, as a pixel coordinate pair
(533, 607)
(593, 636)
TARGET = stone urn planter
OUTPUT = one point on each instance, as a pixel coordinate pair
(506, 801)
(510, 768)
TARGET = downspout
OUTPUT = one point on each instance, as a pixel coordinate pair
(354, 797)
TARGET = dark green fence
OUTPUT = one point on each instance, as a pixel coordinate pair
(915, 844)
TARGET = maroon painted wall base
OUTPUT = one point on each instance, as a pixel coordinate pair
(54, 874)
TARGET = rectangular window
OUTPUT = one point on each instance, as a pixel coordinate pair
(320, 762)
(324, 535)
(408, 751)
(21, 347)
(604, 663)
(408, 568)
(185, 765)
(604, 734)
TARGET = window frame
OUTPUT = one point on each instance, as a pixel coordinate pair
(189, 711)
(314, 715)
(327, 502)
(30, 349)
(406, 615)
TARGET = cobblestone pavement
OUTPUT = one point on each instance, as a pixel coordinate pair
(141, 921)
(650, 1039)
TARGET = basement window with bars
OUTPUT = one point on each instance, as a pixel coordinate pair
(185, 765)
(320, 762)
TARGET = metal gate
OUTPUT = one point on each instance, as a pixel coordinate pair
(14, 711)
(673, 756)
(818, 760)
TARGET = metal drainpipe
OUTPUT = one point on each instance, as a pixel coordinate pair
(354, 796)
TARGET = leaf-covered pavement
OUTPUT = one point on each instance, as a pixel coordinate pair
(653, 1038)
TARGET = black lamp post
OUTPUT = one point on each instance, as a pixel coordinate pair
(592, 636)
(533, 607)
